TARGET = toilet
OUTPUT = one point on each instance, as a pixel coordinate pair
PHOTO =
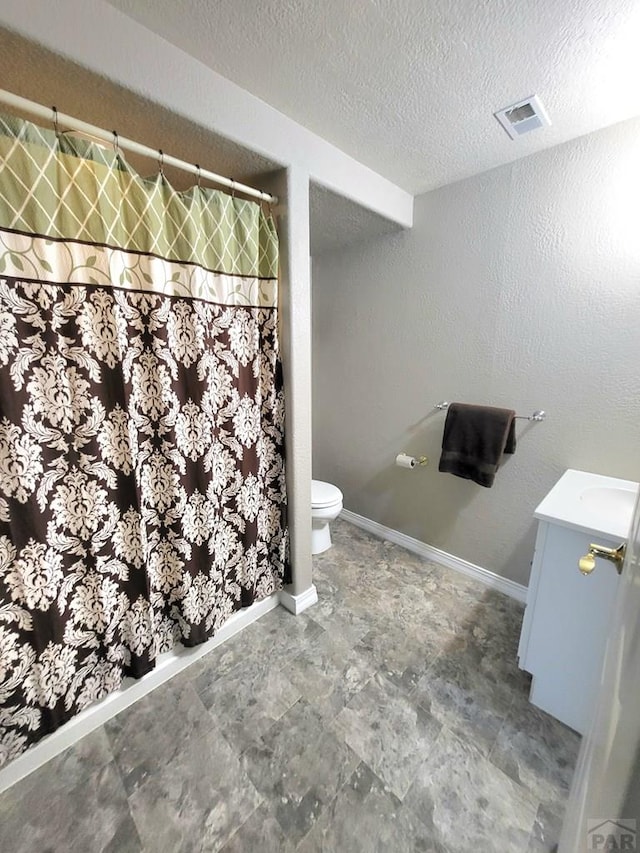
(326, 505)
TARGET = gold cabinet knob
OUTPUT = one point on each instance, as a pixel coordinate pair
(587, 563)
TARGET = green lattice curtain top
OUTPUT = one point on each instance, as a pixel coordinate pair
(62, 187)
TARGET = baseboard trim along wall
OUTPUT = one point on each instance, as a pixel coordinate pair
(168, 665)
(490, 579)
(297, 603)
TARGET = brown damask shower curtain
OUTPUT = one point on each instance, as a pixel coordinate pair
(142, 492)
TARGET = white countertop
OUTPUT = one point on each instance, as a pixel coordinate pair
(581, 500)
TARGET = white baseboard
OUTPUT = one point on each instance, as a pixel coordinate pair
(168, 665)
(297, 603)
(490, 579)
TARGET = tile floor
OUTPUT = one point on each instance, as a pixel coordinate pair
(390, 717)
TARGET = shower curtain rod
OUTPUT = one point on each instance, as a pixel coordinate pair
(51, 114)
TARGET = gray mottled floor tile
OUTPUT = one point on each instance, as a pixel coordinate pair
(225, 657)
(185, 783)
(443, 613)
(299, 767)
(407, 568)
(388, 732)
(279, 633)
(329, 672)
(288, 739)
(260, 833)
(403, 657)
(455, 692)
(373, 605)
(197, 801)
(66, 770)
(348, 542)
(546, 831)
(327, 589)
(153, 732)
(92, 815)
(442, 582)
(356, 564)
(495, 624)
(366, 817)
(246, 701)
(491, 639)
(374, 588)
(537, 751)
(468, 803)
(338, 618)
(323, 768)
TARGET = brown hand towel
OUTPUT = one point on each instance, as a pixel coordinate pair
(475, 437)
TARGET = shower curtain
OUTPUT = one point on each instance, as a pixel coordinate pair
(142, 490)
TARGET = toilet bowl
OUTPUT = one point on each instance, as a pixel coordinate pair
(326, 505)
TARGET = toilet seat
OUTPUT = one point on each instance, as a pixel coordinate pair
(324, 494)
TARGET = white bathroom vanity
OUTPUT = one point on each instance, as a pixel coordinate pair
(568, 614)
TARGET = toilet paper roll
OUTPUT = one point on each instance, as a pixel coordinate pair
(404, 461)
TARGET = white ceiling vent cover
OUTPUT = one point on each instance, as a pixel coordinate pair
(523, 117)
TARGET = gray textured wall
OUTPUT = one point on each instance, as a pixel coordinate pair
(518, 288)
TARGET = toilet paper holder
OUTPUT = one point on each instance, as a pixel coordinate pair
(403, 460)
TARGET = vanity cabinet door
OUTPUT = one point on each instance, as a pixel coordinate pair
(565, 632)
(532, 591)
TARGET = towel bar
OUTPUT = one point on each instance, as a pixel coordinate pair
(538, 415)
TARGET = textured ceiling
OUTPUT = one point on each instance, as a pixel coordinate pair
(408, 87)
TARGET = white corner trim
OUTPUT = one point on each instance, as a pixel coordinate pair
(490, 579)
(168, 665)
(297, 603)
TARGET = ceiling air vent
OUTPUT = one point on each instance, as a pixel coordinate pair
(523, 117)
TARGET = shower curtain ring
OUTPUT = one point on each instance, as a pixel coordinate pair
(199, 175)
(233, 188)
(161, 161)
(116, 143)
(56, 129)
